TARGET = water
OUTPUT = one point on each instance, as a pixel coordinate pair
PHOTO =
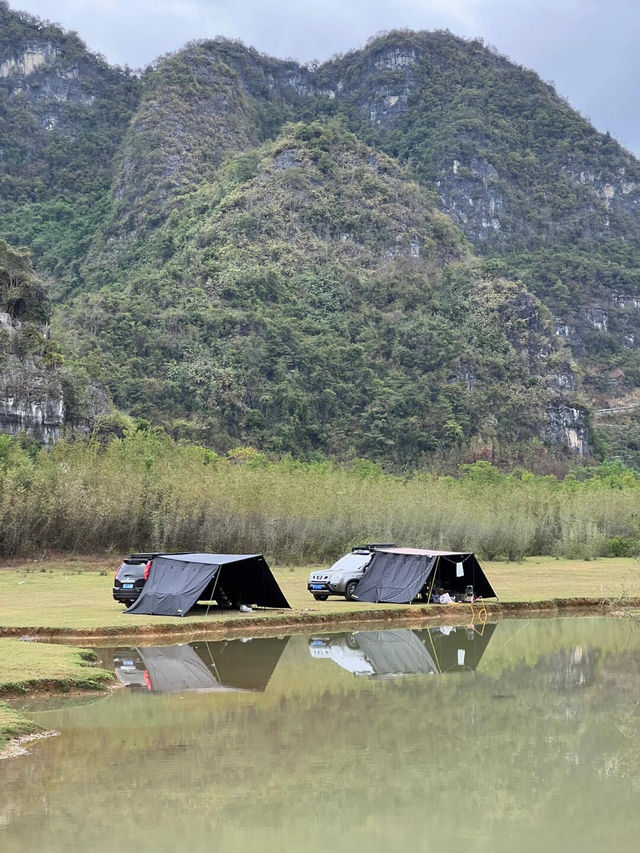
(519, 736)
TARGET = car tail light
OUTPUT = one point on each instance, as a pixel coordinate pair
(115, 577)
(147, 680)
(147, 569)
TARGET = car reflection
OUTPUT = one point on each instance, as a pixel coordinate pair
(388, 654)
(205, 667)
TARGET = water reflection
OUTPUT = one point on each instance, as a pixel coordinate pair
(202, 667)
(537, 749)
(392, 653)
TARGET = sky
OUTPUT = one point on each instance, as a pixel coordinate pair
(587, 48)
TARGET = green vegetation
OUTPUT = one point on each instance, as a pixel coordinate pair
(29, 667)
(343, 318)
(238, 258)
(58, 137)
(14, 725)
(147, 492)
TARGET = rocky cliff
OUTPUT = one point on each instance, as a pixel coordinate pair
(185, 213)
(39, 394)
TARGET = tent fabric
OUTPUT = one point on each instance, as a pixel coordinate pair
(396, 575)
(456, 648)
(177, 669)
(448, 577)
(177, 581)
(242, 664)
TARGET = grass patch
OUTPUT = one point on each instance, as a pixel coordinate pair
(77, 595)
(28, 666)
(25, 667)
(13, 725)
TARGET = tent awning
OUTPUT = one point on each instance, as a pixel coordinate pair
(177, 581)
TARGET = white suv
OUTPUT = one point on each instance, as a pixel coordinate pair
(343, 576)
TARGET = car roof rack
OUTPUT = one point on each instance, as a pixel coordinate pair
(373, 546)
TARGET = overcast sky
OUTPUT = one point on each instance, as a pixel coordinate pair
(588, 48)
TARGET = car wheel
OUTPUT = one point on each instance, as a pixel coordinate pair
(321, 597)
(349, 590)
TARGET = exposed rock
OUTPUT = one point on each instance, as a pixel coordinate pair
(567, 425)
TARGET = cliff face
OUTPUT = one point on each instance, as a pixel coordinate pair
(39, 395)
(161, 212)
(63, 114)
(31, 396)
(486, 132)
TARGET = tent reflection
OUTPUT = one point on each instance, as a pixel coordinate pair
(200, 666)
(427, 651)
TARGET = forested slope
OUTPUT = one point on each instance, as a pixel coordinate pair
(416, 250)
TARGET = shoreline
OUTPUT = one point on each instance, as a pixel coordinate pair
(15, 747)
(258, 625)
(20, 731)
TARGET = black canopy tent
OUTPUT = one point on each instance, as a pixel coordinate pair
(402, 651)
(177, 581)
(395, 652)
(208, 667)
(397, 575)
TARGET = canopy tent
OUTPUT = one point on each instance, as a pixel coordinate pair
(211, 667)
(397, 575)
(395, 652)
(177, 581)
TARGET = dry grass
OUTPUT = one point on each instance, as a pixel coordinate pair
(148, 493)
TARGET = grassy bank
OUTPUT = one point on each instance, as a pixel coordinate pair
(76, 595)
(147, 492)
(29, 667)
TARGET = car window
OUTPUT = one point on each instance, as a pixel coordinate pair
(131, 569)
(351, 562)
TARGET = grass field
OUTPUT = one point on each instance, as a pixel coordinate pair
(75, 594)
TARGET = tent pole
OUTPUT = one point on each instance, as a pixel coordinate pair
(215, 584)
(433, 649)
(435, 566)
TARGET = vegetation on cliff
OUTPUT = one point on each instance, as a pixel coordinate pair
(312, 300)
(235, 264)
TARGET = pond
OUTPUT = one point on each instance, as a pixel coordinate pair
(522, 735)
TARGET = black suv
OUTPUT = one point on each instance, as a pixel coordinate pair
(130, 577)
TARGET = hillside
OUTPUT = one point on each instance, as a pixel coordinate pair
(313, 299)
(414, 251)
(63, 113)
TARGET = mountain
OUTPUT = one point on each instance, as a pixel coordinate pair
(313, 298)
(63, 114)
(413, 251)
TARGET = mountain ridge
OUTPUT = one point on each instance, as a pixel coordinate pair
(542, 197)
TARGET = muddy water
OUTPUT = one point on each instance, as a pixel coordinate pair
(523, 735)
